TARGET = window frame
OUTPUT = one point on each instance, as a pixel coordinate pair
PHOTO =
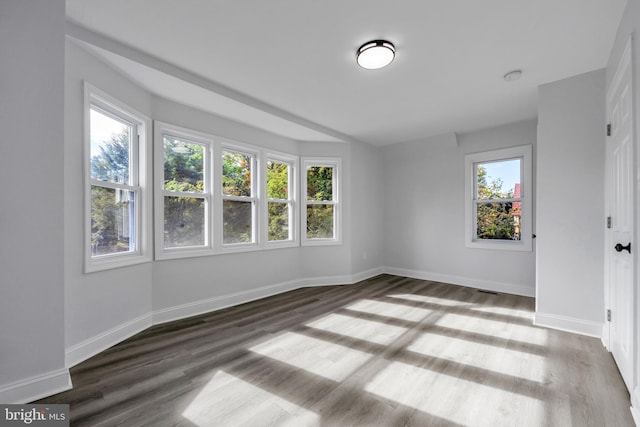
(336, 164)
(161, 252)
(523, 152)
(139, 171)
(256, 197)
(292, 201)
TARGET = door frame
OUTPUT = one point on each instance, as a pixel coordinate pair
(625, 60)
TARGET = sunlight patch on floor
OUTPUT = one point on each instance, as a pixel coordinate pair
(230, 401)
(387, 309)
(326, 359)
(430, 299)
(493, 328)
(433, 393)
(362, 329)
(501, 360)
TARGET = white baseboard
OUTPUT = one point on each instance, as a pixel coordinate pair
(569, 324)
(507, 288)
(605, 336)
(30, 389)
(94, 345)
(635, 405)
(364, 275)
(195, 308)
(208, 305)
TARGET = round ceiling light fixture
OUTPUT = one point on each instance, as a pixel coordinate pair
(512, 76)
(375, 54)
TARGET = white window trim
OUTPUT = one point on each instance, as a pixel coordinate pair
(142, 164)
(256, 191)
(336, 163)
(161, 129)
(526, 227)
(293, 163)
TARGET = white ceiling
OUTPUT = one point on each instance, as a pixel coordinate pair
(288, 66)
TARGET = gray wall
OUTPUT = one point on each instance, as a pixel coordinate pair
(424, 212)
(570, 206)
(367, 204)
(32, 194)
(95, 302)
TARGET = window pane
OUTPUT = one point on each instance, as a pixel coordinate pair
(278, 221)
(112, 220)
(184, 221)
(277, 180)
(320, 221)
(236, 174)
(498, 180)
(110, 148)
(237, 219)
(498, 221)
(320, 183)
(183, 165)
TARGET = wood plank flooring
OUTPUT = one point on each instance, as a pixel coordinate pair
(388, 351)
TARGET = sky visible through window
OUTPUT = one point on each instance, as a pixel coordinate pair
(103, 128)
(507, 170)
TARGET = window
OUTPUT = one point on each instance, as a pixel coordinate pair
(239, 196)
(498, 192)
(183, 158)
(281, 221)
(322, 208)
(115, 178)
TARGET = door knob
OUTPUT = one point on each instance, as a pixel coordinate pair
(621, 248)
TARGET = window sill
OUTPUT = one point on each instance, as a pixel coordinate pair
(111, 262)
(321, 242)
(504, 245)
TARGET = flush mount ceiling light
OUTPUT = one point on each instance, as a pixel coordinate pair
(512, 76)
(375, 54)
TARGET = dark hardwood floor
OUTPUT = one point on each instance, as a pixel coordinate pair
(388, 351)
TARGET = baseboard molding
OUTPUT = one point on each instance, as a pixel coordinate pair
(208, 305)
(195, 308)
(635, 405)
(30, 389)
(364, 275)
(605, 336)
(94, 345)
(569, 324)
(487, 285)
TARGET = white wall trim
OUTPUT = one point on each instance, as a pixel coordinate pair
(94, 345)
(569, 324)
(367, 274)
(35, 388)
(488, 285)
(605, 335)
(217, 303)
(195, 308)
(635, 405)
(90, 347)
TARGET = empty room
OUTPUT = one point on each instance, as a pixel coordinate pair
(357, 213)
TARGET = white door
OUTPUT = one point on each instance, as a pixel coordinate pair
(621, 245)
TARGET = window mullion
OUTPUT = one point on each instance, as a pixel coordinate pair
(171, 193)
(321, 202)
(114, 185)
(480, 201)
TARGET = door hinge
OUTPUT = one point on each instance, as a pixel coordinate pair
(608, 315)
(608, 222)
(609, 129)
